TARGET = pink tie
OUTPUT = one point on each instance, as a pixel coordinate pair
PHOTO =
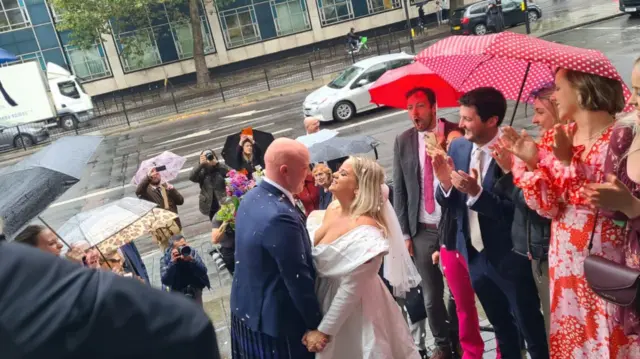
(429, 201)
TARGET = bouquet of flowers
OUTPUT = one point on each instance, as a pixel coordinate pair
(237, 184)
(258, 174)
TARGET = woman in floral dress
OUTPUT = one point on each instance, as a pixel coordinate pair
(552, 175)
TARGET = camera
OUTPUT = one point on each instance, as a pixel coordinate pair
(185, 251)
(189, 292)
(217, 258)
(208, 154)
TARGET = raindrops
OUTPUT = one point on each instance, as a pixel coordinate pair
(297, 275)
(237, 262)
(247, 315)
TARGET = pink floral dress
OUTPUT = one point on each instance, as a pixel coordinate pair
(582, 324)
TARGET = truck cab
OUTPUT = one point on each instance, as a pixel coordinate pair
(73, 105)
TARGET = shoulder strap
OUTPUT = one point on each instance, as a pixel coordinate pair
(593, 231)
(164, 197)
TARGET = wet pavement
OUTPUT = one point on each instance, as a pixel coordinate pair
(108, 176)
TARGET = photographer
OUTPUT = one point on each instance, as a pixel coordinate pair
(163, 194)
(210, 175)
(182, 269)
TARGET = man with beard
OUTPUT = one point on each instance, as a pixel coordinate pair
(502, 279)
(414, 202)
(164, 194)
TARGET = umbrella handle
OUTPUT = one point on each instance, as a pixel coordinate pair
(524, 80)
(375, 151)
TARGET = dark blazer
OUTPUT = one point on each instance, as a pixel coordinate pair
(83, 313)
(324, 198)
(407, 184)
(495, 213)
(531, 233)
(273, 289)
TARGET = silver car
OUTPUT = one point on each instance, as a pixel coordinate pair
(30, 135)
(348, 94)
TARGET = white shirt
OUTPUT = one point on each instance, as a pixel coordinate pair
(286, 193)
(486, 162)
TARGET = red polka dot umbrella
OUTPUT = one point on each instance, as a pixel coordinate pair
(513, 63)
(392, 87)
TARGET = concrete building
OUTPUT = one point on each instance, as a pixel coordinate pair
(239, 31)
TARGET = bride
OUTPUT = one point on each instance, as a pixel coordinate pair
(361, 318)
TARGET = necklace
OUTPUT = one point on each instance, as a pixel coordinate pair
(598, 134)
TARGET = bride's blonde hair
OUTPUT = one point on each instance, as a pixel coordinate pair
(369, 200)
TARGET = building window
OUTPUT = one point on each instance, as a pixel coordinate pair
(240, 26)
(147, 55)
(34, 56)
(376, 6)
(290, 16)
(88, 64)
(183, 38)
(332, 11)
(13, 15)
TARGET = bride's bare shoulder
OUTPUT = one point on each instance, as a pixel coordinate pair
(367, 221)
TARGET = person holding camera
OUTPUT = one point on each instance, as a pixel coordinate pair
(210, 175)
(164, 194)
(182, 269)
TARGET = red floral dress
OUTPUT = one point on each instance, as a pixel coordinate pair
(582, 324)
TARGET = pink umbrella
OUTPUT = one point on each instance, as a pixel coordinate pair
(513, 63)
(172, 163)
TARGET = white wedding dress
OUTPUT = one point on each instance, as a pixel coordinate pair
(360, 315)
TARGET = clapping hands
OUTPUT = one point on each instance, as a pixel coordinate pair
(315, 341)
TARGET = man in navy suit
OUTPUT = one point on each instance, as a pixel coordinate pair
(501, 278)
(273, 299)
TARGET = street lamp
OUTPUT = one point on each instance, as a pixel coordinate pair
(406, 13)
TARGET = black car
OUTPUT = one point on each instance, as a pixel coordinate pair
(630, 6)
(472, 19)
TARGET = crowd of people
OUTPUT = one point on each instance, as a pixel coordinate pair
(326, 257)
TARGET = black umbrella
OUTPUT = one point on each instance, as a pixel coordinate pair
(338, 147)
(230, 149)
(31, 185)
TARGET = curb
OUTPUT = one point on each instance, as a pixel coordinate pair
(575, 26)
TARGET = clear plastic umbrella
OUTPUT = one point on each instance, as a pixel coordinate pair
(172, 163)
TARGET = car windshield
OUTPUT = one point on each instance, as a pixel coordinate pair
(458, 14)
(345, 77)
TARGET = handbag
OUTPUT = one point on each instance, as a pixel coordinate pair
(611, 281)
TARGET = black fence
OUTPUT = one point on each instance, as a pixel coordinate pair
(124, 108)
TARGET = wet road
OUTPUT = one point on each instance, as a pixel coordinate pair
(108, 176)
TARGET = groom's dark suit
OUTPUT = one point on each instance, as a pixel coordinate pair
(273, 299)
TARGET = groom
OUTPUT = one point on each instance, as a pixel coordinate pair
(273, 299)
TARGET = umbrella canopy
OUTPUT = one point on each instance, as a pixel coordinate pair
(507, 60)
(170, 160)
(6, 56)
(230, 149)
(320, 136)
(100, 224)
(31, 185)
(338, 147)
(392, 87)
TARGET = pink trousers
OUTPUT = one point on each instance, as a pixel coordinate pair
(456, 273)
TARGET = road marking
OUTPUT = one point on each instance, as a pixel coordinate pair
(192, 135)
(245, 114)
(370, 120)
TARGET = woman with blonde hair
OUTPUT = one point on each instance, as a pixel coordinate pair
(552, 175)
(358, 230)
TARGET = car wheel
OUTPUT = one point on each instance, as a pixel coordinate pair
(533, 16)
(480, 29)
(343, 111)
(23, 141)
(68, 123)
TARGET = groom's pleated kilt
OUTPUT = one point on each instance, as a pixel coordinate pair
(248, 344)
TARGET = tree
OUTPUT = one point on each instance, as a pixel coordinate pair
(89, 20)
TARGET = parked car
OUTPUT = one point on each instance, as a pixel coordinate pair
(348, 93)
(630, 6)
(11, 138)
(472, 19)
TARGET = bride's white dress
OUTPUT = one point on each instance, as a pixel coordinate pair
(360, 314)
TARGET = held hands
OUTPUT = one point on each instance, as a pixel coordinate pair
(435, 257)
(409, 244)
(315, 341)
(520, 145)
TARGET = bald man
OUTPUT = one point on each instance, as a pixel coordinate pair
(273, 300)
(311, 125)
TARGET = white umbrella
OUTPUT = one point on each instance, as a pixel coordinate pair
(318, 137)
